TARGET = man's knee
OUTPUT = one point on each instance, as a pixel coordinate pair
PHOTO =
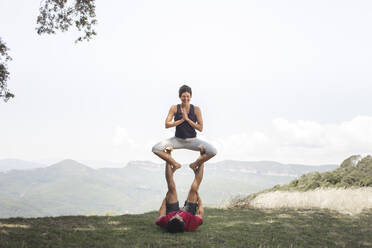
(171, 196)
(171, 192)
(193, 195)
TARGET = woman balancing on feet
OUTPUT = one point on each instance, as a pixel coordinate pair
(187, 118)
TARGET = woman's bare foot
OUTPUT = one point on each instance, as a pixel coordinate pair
(176, 166)
(194, 166)
(195, 169)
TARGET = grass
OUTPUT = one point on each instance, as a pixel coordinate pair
(221, 228)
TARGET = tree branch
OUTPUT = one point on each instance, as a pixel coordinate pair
(60, 15)
(4, 73)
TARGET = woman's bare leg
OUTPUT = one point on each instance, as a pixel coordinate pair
(166, 156)
(201, 159)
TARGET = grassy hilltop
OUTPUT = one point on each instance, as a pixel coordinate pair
(354, 171)
(347, 189)
(221, 228)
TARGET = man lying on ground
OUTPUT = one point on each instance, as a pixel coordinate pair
(171, 217)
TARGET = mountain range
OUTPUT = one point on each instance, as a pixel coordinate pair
(72, 188)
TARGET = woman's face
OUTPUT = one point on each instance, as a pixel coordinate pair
(185, 97)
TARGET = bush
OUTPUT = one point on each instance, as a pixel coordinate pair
(353, 171)
(332, 177)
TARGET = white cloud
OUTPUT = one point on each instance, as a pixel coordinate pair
(300, 141)
(300, 133)
(241, 144)
(121, 137)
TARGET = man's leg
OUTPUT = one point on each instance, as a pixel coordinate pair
(193, 192)
(171, 196)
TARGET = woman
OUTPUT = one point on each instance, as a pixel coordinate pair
(187, 118)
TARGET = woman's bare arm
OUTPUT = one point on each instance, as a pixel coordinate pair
(169, 120)
(199, 120)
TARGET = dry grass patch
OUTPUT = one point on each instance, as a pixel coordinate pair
(257, 223)
(214, 216)
(89, 228)
(232, 223)
(113, 222)
(123, 228)
(287, 216)
(14, 225)
(346, 201)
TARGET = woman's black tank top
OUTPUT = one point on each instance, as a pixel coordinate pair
(185, 130)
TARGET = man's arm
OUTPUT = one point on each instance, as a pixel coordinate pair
(168, 121)
(200, 211)
(199, 120)
(162, 210)
(162, 219)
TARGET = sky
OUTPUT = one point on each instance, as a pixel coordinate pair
(288, 81)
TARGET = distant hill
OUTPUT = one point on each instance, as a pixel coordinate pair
(269, 168)
(70, 187)
(96, 164)
(17, 164)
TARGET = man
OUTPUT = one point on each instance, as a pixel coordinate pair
(171, 217)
